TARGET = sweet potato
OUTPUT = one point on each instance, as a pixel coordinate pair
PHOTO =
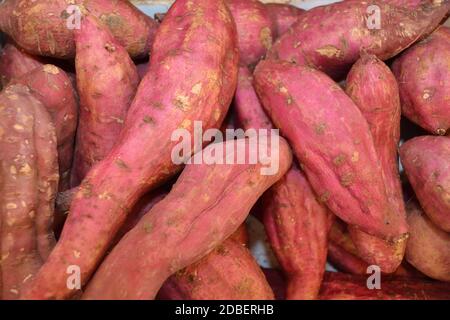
(426, 161)
(191, 78)
(297, 226)
(107, 80)
(428, 249)
(352, 26)
(46, 28)
(332, 140)
(53, 87)
(283, 16)
(338, 286)
(424, 81)
(241, 235)
(229, 272)
(255, 29)
(342, 252)
(373, 88)
(295, 222)
(14, 63)
(193, 220)
(29, 182)
(343, 255)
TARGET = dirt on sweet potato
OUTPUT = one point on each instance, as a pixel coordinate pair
(184, 84)
(424, 80)
(374, 89)
(29, 182)
(46, 28)
(107, 81)
(352, 26)
(332, 141)
(193, 220)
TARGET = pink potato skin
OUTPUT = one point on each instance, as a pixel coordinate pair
(333, 143)
(283, 16)
(426, 161)
(46, 28)
(374, 89)
(107, 80)
(29, 182)
(229, 272)
(14, 63)
(339, 286)
(428, 249)
(423, 75)
(190, 78)
(347, 33)
(295, 222)
(255, 29)
(53, 87)
(193, 220)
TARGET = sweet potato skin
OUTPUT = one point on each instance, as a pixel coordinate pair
(29, 182)
(426, 161)
(332, 141)
(164, 102)
(339, 286)
(255, 29)
(295, 222)
(14, 63)
(343, 255)
(229, 272)
(297, 226)
(41, 27)
(374, 89)
(53, 87)
(428, 249)
(347, 32)
(342, 252)
(107, 80)
(179, 221)
(424, 81)
(283, 16)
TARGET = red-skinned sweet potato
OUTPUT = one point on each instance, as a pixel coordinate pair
(342, 252)
(373, 88)
(107, 80)
(428, 249)
(53, 87)
(14, 63)
(339, 286)
(255, 29)
(426, 161)
(343, 255)
(46, 27)
(352, 26)
(193, 220)
(191, 78)
(333, 143)
(283, 16)
(229, 272)
(424, 80)
(295, 222)
(297, 226)
(29, 182)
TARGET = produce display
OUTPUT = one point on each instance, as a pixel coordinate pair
(133, 150)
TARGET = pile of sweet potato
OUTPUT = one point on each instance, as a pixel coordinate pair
(102, 172)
